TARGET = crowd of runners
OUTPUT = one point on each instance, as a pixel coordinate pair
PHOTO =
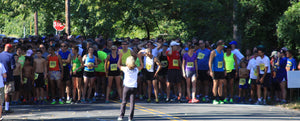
(73, 69)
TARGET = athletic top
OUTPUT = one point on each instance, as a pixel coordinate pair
(252, 68)
(130, 77)
(190, 61)
(218, 62)
(90, 61)
(125, 56)
(262, 63)
(164, 62)
(113, 63)
(173, 60)
(203, 58)
(149, 64)
(102, 56)
(229, 60)
(64, 56)
(21, 60)
(281, 71)
(2, 71)
(53, 63)
(291, 63)
(76, 64)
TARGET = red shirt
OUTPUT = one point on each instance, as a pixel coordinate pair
(173, 60)
(53, 63)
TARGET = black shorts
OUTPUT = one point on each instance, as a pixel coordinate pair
(218, 75)
(230, 75)
(276, 86)
(88, 74)
(163, 72)
(266, 81)
(253, 82)
(203, 75)
(66, 74)
(174, 75)
(40, 82)
(148, 75)
(28, 85)
(78, 74)
(18, 85)
(114, 73)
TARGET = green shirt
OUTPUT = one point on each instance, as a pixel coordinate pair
(229, 61)
(21, 60)
(102, 56)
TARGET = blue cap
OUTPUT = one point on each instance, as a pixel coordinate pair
(233, 42)
(78, 36)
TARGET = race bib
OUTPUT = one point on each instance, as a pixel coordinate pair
(262, 66)
(190, 64)
(25, 80)
(175, 62)
(164, 64)
(64, 64)
(255, 72)
(74, 66)
(113, 67)
(289, 64)
(148, 66)
(220, 64)
(200, 56)
(36, 76)
(242, 81)
(52, 64)
(91, 65)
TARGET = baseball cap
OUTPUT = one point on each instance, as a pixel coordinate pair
(16, 41)
(274, 53)
(174, 43)
(8, 45)
(233, 42)
(29, 52)
(78, 36)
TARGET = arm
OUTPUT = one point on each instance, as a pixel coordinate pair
(45, 69)
(106, 64)
(69, 59)
(183, 68)
(119, 62)
(159, 66)
(142, 64)
(96, 62)
(235, 65)
(34, 64)
(60, 64)
(170, 51)
(81, 62)
(196, 67)
(158, 45)
(211, 57)
(140, 46)
(133, 54)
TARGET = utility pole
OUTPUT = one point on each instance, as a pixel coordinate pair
(36, 29)
(67, 12)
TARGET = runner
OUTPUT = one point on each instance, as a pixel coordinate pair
(77, 66)
(100, 72)
(243, 84)
(162, 74)
(3, 77)
(190, 73)
(90, 62)
(203, 55)
(17, 78)
(217, 71)
(27, 80)
(113, 73)
(253, 75)
(40, 67)
(55, 68)
(291, 66)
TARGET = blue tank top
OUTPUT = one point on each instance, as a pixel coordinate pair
(218, 62)
(91, 61)
(64, 56)
(113, 63)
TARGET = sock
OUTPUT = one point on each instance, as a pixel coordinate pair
(96, 94)
(68, 98)
(45, 98)
(6, 106)
(259, 99)
(59, 99)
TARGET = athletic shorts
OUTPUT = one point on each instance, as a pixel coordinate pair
(163, 72)
(243, 83)
(203, 75)
(2, 95)
(218, 75)
(78, 74)
(174, 75)
(54, 75)
(148, 75)
(40, 82)
(100, 74)
(276, 86)
(66, 74)
(190, 74)
(253, 82)
(230, 75)
(114, 73)
(88, 74)
(266, 81)
(9, 87)
(18, 85)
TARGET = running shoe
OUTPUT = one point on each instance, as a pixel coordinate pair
(60, 102)
(221, 102)
(226, 100)
(106, 101)
(215, 102)
(231, 101)
(53, 102)
(120, 100)
(94, 99)
(83, 101)
(69, 101)
(194, 101)
(258, 102)
(203, 99)
(78, 102)
(148, 100)
(167, 100)
(156, 100)
(89, 101)
(120, 119)
(141, 97)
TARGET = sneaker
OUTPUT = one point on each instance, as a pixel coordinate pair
(221, 102)
(83, 101)
(226, 101)
(215, 102)
(148, 100)
(78, 102)
(120, 119)
(89, 101)
(203, 99)
(69, 101)
(283, 102)
(258, 103)
(194, 101)
(106, 101)
(231, 101)
(60, 102)
(141, 97)
(264, 102)
(1, 119)
(53, 102)
(167, 100)
(94, 99)
(120, 100)
(156, 100)
(130, 120)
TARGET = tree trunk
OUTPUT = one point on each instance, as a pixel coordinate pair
(67, 12)
(36, 30)
(147, 29)
(235, 26)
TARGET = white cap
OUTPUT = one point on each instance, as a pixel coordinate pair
(29, 52)
(174, 43)
(274, 54)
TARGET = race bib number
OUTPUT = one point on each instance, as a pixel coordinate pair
(25, 80)
(148, 66)
(91, 65)
(74, 66)
(200, 56)
(242, 81)
(36, 76)
(289, 64)
(220, 64)
(64, 64)
(262, 66)
(190, 64)
(175, 62)
(113, 67)
(255, 72)
(52, 64)
(164, 64)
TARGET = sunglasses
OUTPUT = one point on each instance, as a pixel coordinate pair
(64, 46)
(113, 49)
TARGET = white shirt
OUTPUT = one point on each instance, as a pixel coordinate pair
(262, 63)
(252, 68)
(149, 64)
(130, 77)
(238, 55)
(80, 50)
(2, 71)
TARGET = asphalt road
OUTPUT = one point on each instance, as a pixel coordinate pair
(151, 112)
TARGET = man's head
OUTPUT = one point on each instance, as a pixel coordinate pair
(124, 44)
(174, 45)
(260, 51)
(220, 44)
(233, 44)
(201, 44)
(8, 48)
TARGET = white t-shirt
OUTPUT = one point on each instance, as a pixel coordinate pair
(262, 63)
(252, 68)
(2, 71)
(238, 55)
(130, 77)
(149, 64)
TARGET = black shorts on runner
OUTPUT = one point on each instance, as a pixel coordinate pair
(66, 74)
(40, 82)
(88, 74)
(163, 72)
(78, 74)
(174, 75)
(219, 75)
(230, 75)
(203, 75)
(253, 82)
(148, 75)
(276, 85)
(266, 81)
(114, 73)
(18, 85)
